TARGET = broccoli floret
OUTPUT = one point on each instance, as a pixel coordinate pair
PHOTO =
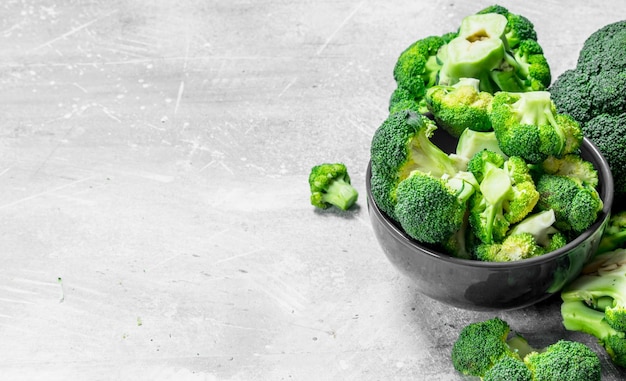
(614, 236)
(570, 93)
(481, 345)
(399, 146)
(330, 185)
(527, 125)
(603, 287)
(471, 142)
(490, 350)
(564, 360)
(460, 106)
(514, 247)
(541, 226)
(608, 133)
(578, 316)
(575, 205)
(604, 49)
(506, 195)
(572, 165)
(415, 71)
(432, 209)
(518, 27)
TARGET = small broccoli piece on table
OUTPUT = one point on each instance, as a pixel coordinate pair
(564, 360)
(614, 236)
(432, 209)
(330, 185)
(527, 125)
(490, 350)
(595, 303)
(576, 205)
(460, 106)
(506, 195)
(401, 145)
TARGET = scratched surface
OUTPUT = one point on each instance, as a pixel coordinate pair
(155, 221)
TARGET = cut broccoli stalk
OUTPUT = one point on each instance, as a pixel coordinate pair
(476, 51)
(471, 142)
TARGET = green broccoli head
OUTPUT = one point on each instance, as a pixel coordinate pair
(506, 195)
(518, 28)
(477, 50)
(565, 360)
(416, 70)
(604, 49)
(608, 133)
(330, 185)
(528, 125)
(541, 226)
(571, 95)
(460, 106)
(514, 247)
(471, 142)
(575, 205)
(432, 209)
(614, 236)
(400, 145)
(480, 346)
(509, 369)
(578, 316)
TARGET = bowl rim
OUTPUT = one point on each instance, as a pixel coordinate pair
(606, 194)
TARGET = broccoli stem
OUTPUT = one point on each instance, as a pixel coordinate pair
(341, 194)
(519, 345)
(578, 316)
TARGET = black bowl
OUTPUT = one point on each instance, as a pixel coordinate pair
(484, 286)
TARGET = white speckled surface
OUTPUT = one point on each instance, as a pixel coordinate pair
(154, 215)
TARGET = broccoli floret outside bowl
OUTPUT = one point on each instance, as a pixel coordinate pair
(485, 285)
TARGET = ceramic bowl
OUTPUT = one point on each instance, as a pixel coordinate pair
(478, 285)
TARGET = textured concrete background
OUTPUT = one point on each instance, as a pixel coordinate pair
(154, 215)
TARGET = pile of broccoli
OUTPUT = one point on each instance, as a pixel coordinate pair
(483, 201)
(516, 186)
(593, 94)
(490, 350)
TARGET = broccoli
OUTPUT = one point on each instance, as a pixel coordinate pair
(541, 226)
(490, 350)
(527, 125)
(576, 205)
(572, 165)
(592, 93)
(514, 247)
(508, 369)
(564, 360)
(614, 236)
(460, 106)
(608, 133)
(595, 303)
(494, 46)
(416, 70)
(578, 316)
(330, 185)
(471, 141)
(506, 195)
(432, 209)
(400, 145)
(518, 27)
